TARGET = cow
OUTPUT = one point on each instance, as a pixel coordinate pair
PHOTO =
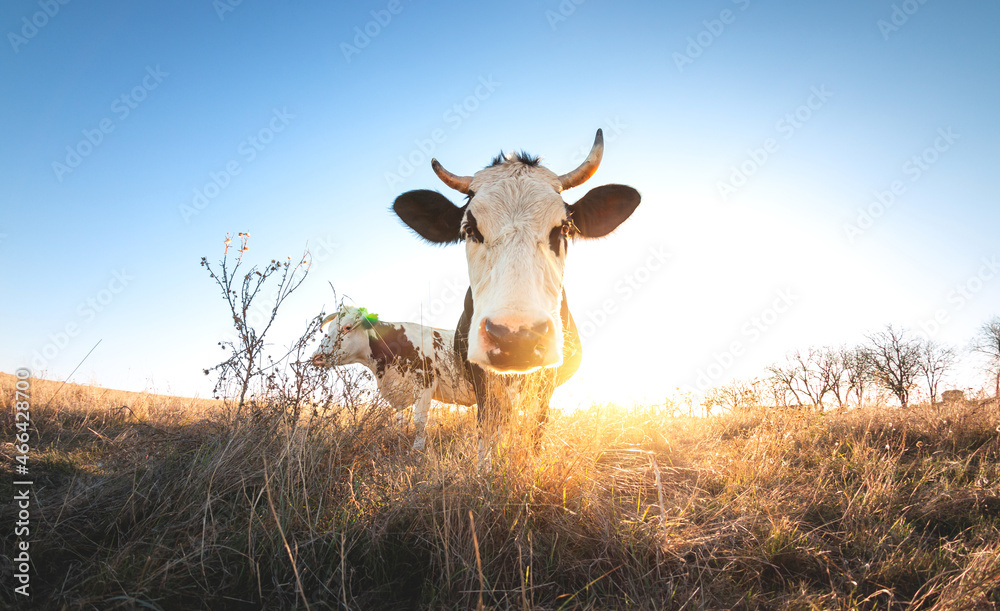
(516, 336)
(412, 363)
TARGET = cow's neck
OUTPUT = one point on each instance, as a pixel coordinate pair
(572, 349)
(389, 345)
(380, 353)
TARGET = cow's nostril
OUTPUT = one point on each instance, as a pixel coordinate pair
(498, 332)
(542, 329)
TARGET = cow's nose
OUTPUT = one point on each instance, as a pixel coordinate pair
(520, 348)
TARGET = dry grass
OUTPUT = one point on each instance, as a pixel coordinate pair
(169, 503)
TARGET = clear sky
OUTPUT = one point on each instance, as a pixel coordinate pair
(809, 171)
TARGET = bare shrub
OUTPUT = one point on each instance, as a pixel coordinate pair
(737, 395)
(248, 373)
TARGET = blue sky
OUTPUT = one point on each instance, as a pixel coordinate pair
(766, 141)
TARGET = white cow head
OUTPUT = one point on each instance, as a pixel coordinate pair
(346, 340)
(515, 225)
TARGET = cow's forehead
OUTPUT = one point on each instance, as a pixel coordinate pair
(516, 192)
(515, 169)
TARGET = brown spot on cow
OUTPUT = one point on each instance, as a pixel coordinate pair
(392, 347)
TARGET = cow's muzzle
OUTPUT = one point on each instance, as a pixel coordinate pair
(519, 348)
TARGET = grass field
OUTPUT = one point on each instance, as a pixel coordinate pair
(154, 502)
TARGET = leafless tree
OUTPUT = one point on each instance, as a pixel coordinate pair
(775, 390)
(785, 380)
(987, 343)
(895, 357)
(813, 374)
(809, 376)
(935, 361)
(860, 371)
(832, 369)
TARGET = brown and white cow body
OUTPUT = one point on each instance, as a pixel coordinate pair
(412, 363)
(516, 331)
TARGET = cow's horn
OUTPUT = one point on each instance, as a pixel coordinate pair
(327, 319)
(588, 167)
(458, 183)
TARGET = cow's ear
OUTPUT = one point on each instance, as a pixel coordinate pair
(431, 215)
(603, 209)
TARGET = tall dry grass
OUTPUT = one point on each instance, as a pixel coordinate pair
(157, 502)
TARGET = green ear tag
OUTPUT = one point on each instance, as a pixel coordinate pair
(368, 320)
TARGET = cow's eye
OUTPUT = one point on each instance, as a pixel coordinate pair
(347, 328)
(557, 237)
(470, 230)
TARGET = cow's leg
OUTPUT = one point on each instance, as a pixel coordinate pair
(400, 407)
(485, 409)
(398, 396)
(547, 385)
(492, 412)
(484, 403)
(541, 417)
(420, 409)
